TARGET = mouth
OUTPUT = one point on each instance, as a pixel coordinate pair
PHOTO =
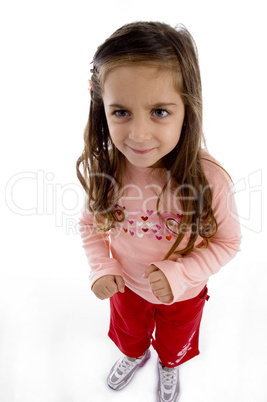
(141, 151)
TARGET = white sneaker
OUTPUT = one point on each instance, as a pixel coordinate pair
(168, 385)
(124, 369)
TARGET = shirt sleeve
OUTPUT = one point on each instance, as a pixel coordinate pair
(195, 269)
(96, 246)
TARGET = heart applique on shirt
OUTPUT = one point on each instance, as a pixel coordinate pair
(150, 225)
(144, 218)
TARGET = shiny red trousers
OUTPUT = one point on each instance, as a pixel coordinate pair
(176, 337)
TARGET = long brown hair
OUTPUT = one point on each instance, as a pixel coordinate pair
(167, 48)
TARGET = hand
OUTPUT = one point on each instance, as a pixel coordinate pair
(108, 285)
(159, 284)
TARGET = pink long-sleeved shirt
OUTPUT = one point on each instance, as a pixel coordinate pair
(144, 238)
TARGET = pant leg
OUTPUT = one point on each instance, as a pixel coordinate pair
(177, 330)
(131, 323)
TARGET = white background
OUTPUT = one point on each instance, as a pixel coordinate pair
(53, 342)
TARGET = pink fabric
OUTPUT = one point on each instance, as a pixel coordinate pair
(143, 238)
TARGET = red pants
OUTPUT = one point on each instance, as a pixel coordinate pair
(133, 320)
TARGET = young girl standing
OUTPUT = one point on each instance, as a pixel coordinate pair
(160, 217)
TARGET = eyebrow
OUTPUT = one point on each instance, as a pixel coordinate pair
(155, 106)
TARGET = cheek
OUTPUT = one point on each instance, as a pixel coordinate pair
(116, 133)
(110, 127)
(171, 136)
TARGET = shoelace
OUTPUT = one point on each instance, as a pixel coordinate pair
(169, 378)
(126, 365)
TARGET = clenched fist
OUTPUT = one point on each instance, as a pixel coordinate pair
(108, 285)
(159, 284)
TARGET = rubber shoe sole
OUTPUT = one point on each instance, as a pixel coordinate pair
(120, 384)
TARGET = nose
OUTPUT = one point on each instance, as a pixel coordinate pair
(140, 130)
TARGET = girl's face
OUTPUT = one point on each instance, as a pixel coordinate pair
(144, 111)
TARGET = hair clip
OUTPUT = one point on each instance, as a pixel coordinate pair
(90, 86)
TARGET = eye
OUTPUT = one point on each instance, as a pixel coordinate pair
(121, 113)
(160, 113)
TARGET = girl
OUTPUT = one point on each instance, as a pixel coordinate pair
(160, 217)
